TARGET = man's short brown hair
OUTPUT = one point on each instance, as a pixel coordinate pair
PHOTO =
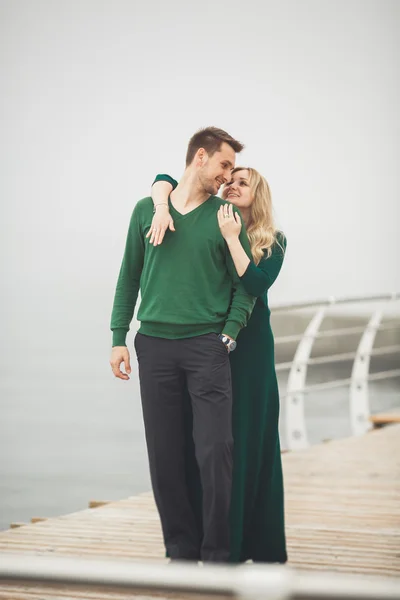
(211, 139)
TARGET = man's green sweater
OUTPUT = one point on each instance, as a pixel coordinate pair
(188, 285)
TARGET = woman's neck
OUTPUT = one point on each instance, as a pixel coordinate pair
(245, 212)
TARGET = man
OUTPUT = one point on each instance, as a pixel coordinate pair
(193, 306)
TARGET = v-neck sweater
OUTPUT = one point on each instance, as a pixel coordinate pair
(188, 284)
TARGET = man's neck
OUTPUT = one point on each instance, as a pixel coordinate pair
(189, 193)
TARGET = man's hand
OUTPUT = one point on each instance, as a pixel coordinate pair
(120, 354)
(162, 221)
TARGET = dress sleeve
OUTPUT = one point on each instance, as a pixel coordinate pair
(164, 177)
(258, 279)
(243, 301)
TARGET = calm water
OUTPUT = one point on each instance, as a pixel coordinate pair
(69, 435)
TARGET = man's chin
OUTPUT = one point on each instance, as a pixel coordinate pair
(212, 190)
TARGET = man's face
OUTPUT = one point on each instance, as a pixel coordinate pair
(216, 170)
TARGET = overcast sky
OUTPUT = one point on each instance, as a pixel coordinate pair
(97, 97)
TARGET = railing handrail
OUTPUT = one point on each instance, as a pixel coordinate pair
(343, 356)
(337, 383)
(332, 300)
(387, 326)
(245, 582)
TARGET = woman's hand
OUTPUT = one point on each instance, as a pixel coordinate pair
(229, 222)
(162, 221)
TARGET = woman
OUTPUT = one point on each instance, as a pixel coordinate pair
(257, 504)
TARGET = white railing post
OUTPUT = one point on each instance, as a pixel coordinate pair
(359, 396)
(295, 419)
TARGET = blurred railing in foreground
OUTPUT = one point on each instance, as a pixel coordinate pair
(247, 582)
(360, 377)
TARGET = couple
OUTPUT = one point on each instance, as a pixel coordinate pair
(206, 355)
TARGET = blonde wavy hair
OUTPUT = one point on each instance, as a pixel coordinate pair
(261, 229)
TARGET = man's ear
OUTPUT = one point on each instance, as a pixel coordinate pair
(201, 157)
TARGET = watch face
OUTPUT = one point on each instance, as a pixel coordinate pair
(230, 344)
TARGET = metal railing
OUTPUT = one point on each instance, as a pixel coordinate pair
(338, 301)
(359, 411)
(246, 582)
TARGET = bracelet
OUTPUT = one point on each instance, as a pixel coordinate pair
(159, 204)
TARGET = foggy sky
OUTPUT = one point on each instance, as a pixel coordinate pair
(97, 97)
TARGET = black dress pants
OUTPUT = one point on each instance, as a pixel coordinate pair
(166, 368)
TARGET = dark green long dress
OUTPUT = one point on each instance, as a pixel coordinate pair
(257, 502)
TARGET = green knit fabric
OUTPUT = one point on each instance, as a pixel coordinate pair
(257, 504)
(188, 285)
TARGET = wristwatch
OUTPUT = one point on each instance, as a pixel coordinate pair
(230, 344)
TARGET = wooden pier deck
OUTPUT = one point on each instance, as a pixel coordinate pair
(342, 514)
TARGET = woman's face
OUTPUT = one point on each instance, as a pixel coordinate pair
(237, 190)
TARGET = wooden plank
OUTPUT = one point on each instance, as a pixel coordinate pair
(387, 418)
(38, 519)
(342, 503)
(61, 592)
(97, 503)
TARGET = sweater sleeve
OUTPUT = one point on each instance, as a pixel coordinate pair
(164, 177)
(258, 279)
(128, 284)
(243, 300)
